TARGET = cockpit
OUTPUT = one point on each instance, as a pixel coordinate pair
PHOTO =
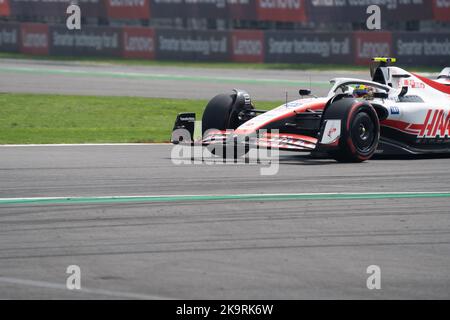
(357, 88)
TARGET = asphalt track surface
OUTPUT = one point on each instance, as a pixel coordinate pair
(258, 248)
(30, 76)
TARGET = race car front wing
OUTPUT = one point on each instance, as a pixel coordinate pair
(183, 132)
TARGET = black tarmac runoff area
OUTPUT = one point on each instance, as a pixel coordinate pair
(140, 226)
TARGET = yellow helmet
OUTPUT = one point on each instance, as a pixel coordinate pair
(360, 91)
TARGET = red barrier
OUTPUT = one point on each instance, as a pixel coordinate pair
(287, 10)
(441, 10)
(4, 8)
(34, 38)
(128, 9)
(138, 43)
(371, 44)
(247, 45)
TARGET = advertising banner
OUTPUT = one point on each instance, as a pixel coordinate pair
(355, 10)
(189, 8)
(56, 8)
(4, 8)
(192, 45)
(242, 9)
(89, 41)
(371, 44)
(441, 10)
(9, 37)
(206, 9)
(34, 38)
(138, 43)
(128, 9)
(422, 48)
(286, 10)
(247, 46)
(303, 47)
(167, 8)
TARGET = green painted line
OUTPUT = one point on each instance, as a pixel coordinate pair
(148, 76)
(239, 197)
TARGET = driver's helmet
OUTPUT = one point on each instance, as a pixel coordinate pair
(361, 91)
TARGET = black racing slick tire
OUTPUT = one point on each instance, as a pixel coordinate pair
(360, 130)
(219, 114)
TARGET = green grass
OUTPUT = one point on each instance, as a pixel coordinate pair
(200, 64)
(38, 119)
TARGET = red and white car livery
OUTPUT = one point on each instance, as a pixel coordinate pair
(395, 112)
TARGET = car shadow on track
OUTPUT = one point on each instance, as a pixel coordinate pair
(305, 159)
(322, 159)
(411, 157)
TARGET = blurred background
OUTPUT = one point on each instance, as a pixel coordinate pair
(252, 31)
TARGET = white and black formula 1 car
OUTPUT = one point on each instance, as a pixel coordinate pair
(397, 112)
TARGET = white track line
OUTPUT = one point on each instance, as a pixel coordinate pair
(50, 285)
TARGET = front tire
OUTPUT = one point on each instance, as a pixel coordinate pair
(219, 114)
(360, 130)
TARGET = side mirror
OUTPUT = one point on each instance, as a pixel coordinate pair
(304, 92)
(403, 92)
(380, 95)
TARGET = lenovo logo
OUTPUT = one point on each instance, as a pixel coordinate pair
(247, 47)
(139, 44)
(371, 44)
(368, 49)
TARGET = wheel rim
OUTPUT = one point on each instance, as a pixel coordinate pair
(363, 132)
